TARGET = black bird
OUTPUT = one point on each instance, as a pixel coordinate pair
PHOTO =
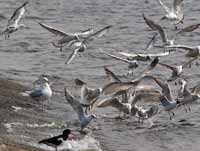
(56, 140)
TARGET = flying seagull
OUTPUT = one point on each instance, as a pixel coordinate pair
(13, 23)
(177, 70)
(80, 45)
(175, 13)
(66, 38)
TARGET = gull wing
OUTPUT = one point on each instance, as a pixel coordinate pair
(167, 66)
(17, 15)
(72, 56)
(178, 9)
(53, 30)
(189, 62)
(85, 32)
(111, 76)
(155, 26)
(116, 57)
(181, 47)
(151, 66)
(145, 55)
(98, 34)
(110, 101)
(75, 104)
(36, 93)
(189, 28)
(167, 10)
(164, 86)
(151, 42)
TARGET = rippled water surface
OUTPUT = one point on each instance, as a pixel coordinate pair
(29, 54)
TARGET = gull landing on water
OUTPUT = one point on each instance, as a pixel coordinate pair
(66, 38)
(13, 23)
(176, 12)
(76, 105)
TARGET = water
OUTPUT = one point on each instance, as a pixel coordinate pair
(29, 54)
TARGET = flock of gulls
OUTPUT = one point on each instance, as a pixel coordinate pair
(121, 95)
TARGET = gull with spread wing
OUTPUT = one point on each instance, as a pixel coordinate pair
(13, 23)
(88, 95)
(166, 99)
(80, 45)
(76, 105)
(177, 70)
(115, 87)
(132, 64)
(176, 12)
(66, 38)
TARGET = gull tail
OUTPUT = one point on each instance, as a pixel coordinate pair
(24, 94)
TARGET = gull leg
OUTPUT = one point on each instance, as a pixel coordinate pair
(185, 108)
(173, 114)
(170, 116)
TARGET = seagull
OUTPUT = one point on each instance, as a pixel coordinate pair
(166, 99)
(126, 108)
(88, 95)
(186, 96)
(169, 105)
(177, 70)
(115, 87)
(80, 45)
(43, 92)
(163, 35)
(193, 51)
(13, 23)
(76, 105)
(132, 64)
(66, 38)
(57, 140)
(146, 114)
(176, 12)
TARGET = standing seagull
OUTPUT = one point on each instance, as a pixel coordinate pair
(43, 92)
(76, 105)
(80, 45)
(13, 23)
(57, 140)
(176, 12)
(66, 38)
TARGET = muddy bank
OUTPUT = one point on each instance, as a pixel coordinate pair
(10, 101)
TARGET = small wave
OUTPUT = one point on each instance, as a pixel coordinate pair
(87, 143)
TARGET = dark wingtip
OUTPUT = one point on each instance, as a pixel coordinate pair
(155, 61)
(25, 3)
(79, 82)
